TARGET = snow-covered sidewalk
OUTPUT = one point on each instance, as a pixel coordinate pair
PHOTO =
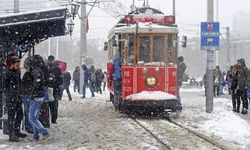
(89, 124)
(231, 129)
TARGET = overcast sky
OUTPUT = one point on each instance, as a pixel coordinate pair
(189, 13)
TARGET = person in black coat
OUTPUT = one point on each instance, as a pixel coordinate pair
(66, 83)
(56, 81)
(26, 84)
(13, 102)
(37, 98)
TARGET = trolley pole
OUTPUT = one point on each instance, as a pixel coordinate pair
(228, 48)
(83, 40)
(210, 62)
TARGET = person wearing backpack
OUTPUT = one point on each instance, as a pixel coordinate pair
(55, 81)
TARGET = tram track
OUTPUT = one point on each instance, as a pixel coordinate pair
(168, 145)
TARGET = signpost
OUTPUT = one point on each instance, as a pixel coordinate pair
(210, 41)
(210, 36)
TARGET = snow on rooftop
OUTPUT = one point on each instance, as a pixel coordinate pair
(31, 12)
(151, 95)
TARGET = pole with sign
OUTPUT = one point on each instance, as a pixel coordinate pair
(210, 41)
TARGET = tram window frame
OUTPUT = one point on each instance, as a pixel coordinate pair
(131, 45)
(172, 47)
(144, 52)
(158, 51)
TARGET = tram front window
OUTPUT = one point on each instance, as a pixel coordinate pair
(158, 48)
(144, 50)
(131, 49)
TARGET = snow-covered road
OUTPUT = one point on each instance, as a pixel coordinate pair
(93, 124)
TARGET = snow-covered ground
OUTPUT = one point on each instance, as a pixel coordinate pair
(231, 129)
(92, 123)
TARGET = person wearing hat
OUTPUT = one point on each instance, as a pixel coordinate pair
(13, 102)
(55, 81)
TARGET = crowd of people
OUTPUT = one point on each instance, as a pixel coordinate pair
(237, 79)
(38, 92)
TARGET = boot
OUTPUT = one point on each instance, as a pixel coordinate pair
(234, 109)
(13, 138)
(21, 135)
(244, 111)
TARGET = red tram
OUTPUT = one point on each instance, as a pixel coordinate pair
(147, 42)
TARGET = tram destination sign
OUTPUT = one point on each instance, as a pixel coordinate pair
(210, 35)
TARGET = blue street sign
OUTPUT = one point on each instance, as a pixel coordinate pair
(210, 35)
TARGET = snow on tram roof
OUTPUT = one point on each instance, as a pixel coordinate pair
(144, 28)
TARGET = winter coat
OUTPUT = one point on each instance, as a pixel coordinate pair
(248, 91)
(12, 85)
(181, 69)
(86, 74)
(38, 78)
(117, 68)
(26, 83)
(55, 78)
(99, 76)
(217, 74)
(66, 79)
(243, 76)
(76, 75)
(38, 83)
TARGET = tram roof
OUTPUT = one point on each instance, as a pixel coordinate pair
(143, 28)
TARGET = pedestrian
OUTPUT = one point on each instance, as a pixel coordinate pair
(44, 115)
(56, 82)
(76, 78)
(66, 83)
(99, 78)
(104, 80)
(242, 85)
(180, 71)
(233, 88)
(37, 99)
(229, 79)
(13, 102)
(117, 81)
(26, 84)
(217, 74)
(93, 77)
(86, 81)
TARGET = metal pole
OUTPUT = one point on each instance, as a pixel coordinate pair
(228, 48)
(217, 19)
(16, 6)
(210, 62)
(174, 8)
(83, 40)
(57, 48)
(49, 49)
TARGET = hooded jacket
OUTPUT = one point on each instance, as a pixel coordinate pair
(117, 67)
(38, 79)
(242, 75)
(86, 74)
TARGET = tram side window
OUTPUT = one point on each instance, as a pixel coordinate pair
(170, 48)
(144, 50)
(158, 48)
(131, 48)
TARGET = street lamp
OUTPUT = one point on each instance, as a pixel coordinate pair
(70, 27)
(74, 9)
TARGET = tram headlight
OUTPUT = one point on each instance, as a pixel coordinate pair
(151, 81)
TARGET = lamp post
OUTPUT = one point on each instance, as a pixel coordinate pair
(70, 27)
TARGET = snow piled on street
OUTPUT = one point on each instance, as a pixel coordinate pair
(222, 123)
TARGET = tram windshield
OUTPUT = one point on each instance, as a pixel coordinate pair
(144, 49)
(158, 46)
